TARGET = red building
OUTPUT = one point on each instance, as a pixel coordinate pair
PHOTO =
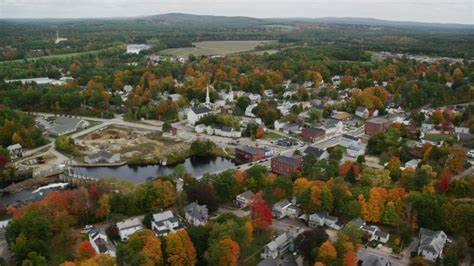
(310, 134)
(284, 165)
(249, 153)
(376, 125)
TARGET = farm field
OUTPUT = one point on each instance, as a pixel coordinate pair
(215, 48)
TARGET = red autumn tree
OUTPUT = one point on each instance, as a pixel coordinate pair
(261, 215)
(444, 180)
(350, 259)
(85, 250)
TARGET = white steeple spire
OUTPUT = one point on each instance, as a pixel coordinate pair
(208, 99)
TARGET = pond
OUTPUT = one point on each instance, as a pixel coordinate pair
(196, 166)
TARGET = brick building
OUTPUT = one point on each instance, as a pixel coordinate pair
(284, 165)
(249, 153)
(376, 125)
(310, 134)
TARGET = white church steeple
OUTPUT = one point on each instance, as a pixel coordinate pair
(208, 99)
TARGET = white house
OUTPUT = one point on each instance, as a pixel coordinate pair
(196, 214)
(413, 164)
(426, 126)
(281, 245)
(356, 150)
(285, 208)
(324, 219)
(348, 140)
(374, 233)
(431, 244)
(462, 129)
(279, 124)
(332, 126)
(362, 112)
(98, 240)
(128, 227)
(244, 199)
(227, 132)
(194, 114)
(15, 151)
(164, 222)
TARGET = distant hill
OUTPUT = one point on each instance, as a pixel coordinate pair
(372, 22)
(180, 19)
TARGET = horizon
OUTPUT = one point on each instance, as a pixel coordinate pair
(439, 12)
(262, 18)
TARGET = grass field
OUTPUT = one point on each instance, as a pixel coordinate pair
(438, 137)
(60, 56)
(215, 48)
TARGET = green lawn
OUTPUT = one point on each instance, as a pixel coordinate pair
(438, 137)
(273, 135)
(61, 56)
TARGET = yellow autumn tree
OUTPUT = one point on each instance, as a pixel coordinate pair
(364, 212)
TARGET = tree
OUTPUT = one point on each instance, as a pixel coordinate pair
(143, 248)
(104, 207)
(223, 253)
(308, 241)
(375, 177)
(30, 233)
(260, 133)
(350, 259)
(375, 206)
(364, 211)
(180, 249)
(85, 250)
(444, 180)
(327, 253)
(261, 215)
(204, 193)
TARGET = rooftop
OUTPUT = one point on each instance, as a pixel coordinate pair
(287, 160)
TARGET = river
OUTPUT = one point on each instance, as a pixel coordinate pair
(196, 166)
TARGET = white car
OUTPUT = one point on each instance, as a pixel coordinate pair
(470, 154)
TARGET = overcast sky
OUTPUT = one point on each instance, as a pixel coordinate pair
(440, 11)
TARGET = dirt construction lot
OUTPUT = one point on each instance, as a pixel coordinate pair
(129, 142)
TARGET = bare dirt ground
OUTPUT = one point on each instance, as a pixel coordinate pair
(129, 142)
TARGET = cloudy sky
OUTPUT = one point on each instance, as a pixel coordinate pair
(440, 11)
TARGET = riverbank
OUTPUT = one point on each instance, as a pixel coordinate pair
(31, 183)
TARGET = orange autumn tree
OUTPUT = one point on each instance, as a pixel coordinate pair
(364, 211)
(239, 178)
(85, 250)
(375, 205)
(327, 253)
(260, 133)
(350, 259)
(144, 242)
(233, 252)
(180, 249)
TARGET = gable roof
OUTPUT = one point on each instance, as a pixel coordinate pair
(197, 211)
(317, 152)
(250, 149)
(129, 223)
(287, 160)
(200, 110)
(247, 195)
